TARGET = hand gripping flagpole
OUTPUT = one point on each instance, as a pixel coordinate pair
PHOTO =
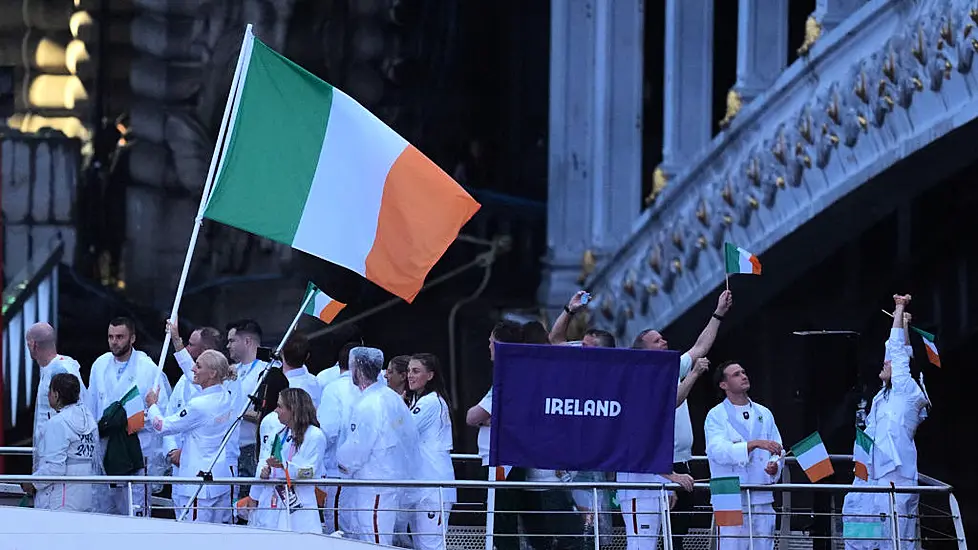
(276, 359)
(230, 112)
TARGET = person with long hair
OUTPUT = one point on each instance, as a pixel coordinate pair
(68, 446)
(203, 422)
(262, 513)
(297, 454)
(432, 415)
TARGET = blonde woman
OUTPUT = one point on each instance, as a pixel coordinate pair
(298, 456)
(203, 421)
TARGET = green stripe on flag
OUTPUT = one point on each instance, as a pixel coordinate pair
(277, 447)
(310, 308)
(130, 395)
(731, 256)
(926, 335)
(863, 440)
(725, 486)
(273, 148)
(806, 444)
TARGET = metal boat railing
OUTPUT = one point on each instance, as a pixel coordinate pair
(938, 512)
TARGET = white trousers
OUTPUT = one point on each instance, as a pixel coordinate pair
(875, 508)
(376, 512)
(428, 524)
(757, 528)
(338, 509)
(208, 510)
(643, 521)
(118, 498)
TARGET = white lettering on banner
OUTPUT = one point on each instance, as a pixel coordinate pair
(578, 407)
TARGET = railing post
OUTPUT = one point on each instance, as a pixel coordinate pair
(132, 504)
(750, 520)
(666, 520)
(688, 98)
(444, 519)
(594, 510)
(894, 519)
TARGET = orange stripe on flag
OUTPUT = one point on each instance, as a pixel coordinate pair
(136, 422)
(934, 358)
(755, 265)
(421, 212)
(820, 470)
(729, 518)
(861, 471)
(332, 309)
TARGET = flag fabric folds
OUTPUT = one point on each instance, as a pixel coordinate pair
(306, 165)
(929, 344)
(135, 411)
(860, 454)
(738, 260)
(813, 458)
(321, 305)
(583, 409)
(725, 498)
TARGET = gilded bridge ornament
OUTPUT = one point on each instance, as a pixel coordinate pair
(813, 30)
(588, 263)
(659, 182)
(734, 104)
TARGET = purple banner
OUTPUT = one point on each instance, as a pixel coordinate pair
(588, 409)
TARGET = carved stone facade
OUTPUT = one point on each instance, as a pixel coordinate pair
(885, 81)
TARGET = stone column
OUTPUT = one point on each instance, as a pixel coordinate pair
(688, 100)
(595, 149)
(762, 45)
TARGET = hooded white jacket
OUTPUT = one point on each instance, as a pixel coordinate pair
(68, 446)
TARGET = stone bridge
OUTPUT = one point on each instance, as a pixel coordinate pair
(804, 158)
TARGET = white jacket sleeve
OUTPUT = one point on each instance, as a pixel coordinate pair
(185, 362)
(355, 451)
(426, 413)
(719, 447)
(53, 452)
(896, 351)
(187, 419)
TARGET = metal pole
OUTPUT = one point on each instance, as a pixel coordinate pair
(894, 523)
(594, 510)
(208, 184)
(131, 504)
(750, 520)
(443, 519)
(666, 520)
(490, 508)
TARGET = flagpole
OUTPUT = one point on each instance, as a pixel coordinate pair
(295, 321)
(208, 184)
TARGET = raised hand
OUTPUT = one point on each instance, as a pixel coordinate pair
(724, 303)
(575, 304)
(701, 366)
(901, 300)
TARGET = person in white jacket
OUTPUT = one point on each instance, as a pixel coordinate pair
(897, 410)
(432, 415)
(203, 422)
(42, 347)
(113, 375)
(295, 353)
(299, 455)
(68, 446)
(201, 340)
(382, 445)
(261, 500)
(742, 439)
(335, 409)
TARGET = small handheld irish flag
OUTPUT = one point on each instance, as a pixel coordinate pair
(860, 454)
(932, 355)
(813, 458)
(725, 497)
(133, 405)
(739, 260)
(321, 305)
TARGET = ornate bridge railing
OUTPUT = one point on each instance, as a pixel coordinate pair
(889, 79)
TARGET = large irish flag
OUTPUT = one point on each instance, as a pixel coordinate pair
(306, 165)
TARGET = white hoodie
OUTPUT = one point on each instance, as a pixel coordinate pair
(68, 447)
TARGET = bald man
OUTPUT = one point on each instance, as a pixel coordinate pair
(42, 347)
